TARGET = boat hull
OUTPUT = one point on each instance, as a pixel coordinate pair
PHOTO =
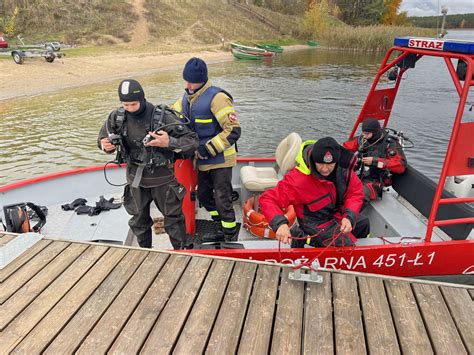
(404, 259)
(243, 55)
(402, 256)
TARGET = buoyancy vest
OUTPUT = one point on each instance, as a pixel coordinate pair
(203, 120)
(323, 208)
(135, 151)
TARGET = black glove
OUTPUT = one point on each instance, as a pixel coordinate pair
(202, 152)
(106, 205)
(83, 209)
(71, 206)
(89, 210)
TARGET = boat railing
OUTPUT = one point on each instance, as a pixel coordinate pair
(459, 159)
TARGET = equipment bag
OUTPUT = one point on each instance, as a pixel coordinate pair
(18, 221)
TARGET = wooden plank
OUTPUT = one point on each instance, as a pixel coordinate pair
(170, 322)
(47, 329)
(379, 329)
(349, 330)
(20, 300)
(461, 308)
(29, 270)
(257, 330)
(16, 264)
(23, 323)
(198, 327)
(438, 322)
(109, 326)
(318, 335)
(87, 316)
(289, 316)
(5, 239)
(412, 336)
(142, 320)
(226, 332)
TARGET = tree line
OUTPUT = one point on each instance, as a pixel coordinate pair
(452, 21)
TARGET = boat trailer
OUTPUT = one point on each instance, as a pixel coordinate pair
(20, 52)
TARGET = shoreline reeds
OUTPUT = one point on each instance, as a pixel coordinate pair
(368, 38)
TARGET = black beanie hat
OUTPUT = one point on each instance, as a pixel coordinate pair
(371, 125)
(326, 150)
(195, 71)
(130, 90)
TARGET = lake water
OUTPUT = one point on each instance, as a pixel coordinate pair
(313, 92)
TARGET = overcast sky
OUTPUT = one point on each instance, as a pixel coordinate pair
(430, 7)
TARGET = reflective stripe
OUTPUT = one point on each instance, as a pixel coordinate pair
(214, 213)
(203, 121)
(218, 140)
(229, 224)
(226, 110)
(230, 151)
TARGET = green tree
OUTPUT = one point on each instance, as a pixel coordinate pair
(361, 12)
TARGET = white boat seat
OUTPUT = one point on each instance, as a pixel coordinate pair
(259, 179)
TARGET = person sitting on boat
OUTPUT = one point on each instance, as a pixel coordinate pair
(326, 196)
(213, 117)
(150, 170)
(380, 155)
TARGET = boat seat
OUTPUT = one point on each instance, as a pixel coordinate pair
(419, 190)
(259, 179)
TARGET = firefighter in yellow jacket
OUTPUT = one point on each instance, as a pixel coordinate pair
(213, 117)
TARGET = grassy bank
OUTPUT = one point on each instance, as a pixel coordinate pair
(369, 38)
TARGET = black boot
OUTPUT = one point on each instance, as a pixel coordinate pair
(230, 234)
(216, 236)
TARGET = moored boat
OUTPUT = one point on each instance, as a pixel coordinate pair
(248, 48)
(418, 229)
(270, 47)
(240, 54)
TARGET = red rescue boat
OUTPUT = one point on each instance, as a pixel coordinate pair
(419, 228)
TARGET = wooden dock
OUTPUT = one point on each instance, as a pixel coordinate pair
(61, 297)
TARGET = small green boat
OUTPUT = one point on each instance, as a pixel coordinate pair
(312, 43)
(270, 47)
(241, 47)
(242, 55)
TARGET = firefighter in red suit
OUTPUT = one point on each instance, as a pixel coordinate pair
(327, 198)
(380, 155)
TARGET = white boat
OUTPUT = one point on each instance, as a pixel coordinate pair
(417, 229)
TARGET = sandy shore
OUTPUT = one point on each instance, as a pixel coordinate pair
(35, 76)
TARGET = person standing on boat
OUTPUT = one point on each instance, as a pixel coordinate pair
(150, 166)
(213, 117)
(326, 196)
(380, 155)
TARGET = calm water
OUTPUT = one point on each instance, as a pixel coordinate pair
(313, 92)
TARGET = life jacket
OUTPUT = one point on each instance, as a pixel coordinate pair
(324, 207)
(203, 120)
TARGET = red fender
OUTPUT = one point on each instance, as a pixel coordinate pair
(187, 176)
